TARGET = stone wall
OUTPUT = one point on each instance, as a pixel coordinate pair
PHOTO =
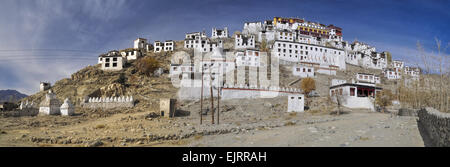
(436, 127)
(22, 112)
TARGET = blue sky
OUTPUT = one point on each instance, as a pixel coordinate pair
(47, 40)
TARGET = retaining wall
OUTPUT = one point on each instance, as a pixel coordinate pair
(436, 126)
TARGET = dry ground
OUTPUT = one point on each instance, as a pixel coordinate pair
(252, 122)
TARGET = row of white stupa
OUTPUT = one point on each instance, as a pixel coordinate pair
(27, 105)
(121, 99)
(271, 88)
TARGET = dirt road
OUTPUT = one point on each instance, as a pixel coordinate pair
(353, 130)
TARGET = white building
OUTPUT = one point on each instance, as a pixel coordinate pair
(112, 61)
(252, 28)
(285, 36)
(244, 42)
(266, 35)
(353, 95)
(195, 35)
(367, 78)
(335, 33)
(414, 72)
(302, 71)
(43, 86)
(193, 39)
(296, 103)
(398, 64)
(306, 53)
(392, 74)
(249, 57)
(140, 43)
(132, 54)
(169, 46)
(67, 108)
(217, 33)
(50, 105)
(158, 47)
(203, 44)
(366, 49)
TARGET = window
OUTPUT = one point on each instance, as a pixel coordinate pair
(352, 91)
(107, 59)
(309, 70)
(115, 59)
(106, 64)
(114, 65)
(299, 98)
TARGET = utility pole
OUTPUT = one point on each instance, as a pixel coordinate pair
(218, 103)
(201, 97)
(212, 95)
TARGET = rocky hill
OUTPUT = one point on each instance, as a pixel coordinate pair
(11, 95)
(91, 81)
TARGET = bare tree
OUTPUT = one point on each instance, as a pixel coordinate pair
(339, 99)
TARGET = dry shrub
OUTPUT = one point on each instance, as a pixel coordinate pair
(308, 85)
(384, 98)
(147, 65)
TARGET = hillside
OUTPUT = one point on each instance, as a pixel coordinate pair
(93, 82)
(11, 95)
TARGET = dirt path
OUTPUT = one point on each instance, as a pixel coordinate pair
(357, 129)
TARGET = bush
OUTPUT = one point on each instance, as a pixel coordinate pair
(308, 85)
(147, 65)
(384, 99)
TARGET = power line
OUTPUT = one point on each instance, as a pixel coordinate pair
(47, 50)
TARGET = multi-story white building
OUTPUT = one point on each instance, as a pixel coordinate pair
(169, 46)
(367, 78)
(249, 58)
(203, 44)
(306, 53)
(195, 35)
(131, 54)
(193, 38)
(252, 28)
(414, 72)
(392, 74)
(112, 61)
(217, 33)
(158, 46)
(285, 36)
(244, 42)
(140, 43)
(266, 35)
(303, 71)
(398, 65)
